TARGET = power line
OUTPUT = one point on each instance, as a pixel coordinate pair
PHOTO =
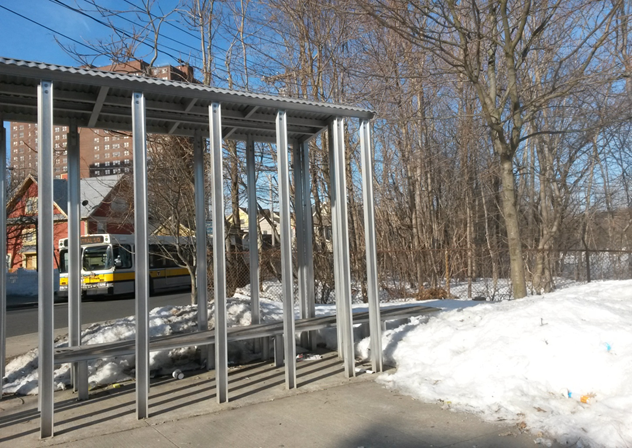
(215, 46)
(111, 26)
(120, 16)
(152, 16)
(162, 35)
(168, 23)
(49, 29)
(254, 66)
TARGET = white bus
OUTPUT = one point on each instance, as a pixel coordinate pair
(107, 265)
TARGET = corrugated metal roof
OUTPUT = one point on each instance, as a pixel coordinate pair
(99, 99)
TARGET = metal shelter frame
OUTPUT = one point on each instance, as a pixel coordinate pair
(51, 95)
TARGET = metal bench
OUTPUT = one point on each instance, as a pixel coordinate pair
(272, 329)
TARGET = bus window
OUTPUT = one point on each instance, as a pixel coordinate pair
(123, 256)
(63, 261)
(155, 260)
(170, 260)
(97, 258)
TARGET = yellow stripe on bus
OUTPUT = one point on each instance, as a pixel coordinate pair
(122, 276)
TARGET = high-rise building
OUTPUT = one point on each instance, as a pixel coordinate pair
(102, 152)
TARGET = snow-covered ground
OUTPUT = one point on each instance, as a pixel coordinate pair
(530, 361)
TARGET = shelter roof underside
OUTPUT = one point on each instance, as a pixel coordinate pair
(99, 99)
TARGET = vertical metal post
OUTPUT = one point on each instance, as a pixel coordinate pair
(3, 251)
(588, 278)
(80, 369)
(300, 238)
(309, 231)
(371, 253)
(334, 235)
(308, 227)
(253, 235)
(142, 257)
(45, 248)
(272, 222)
(286, 250)
(343, 287)
(201, 275)
(219, 254)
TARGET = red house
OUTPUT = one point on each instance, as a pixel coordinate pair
(105, 208)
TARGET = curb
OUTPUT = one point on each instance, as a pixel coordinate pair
(21, 305)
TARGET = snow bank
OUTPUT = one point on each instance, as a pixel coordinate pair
(519, 360)
(21, 372)
(515, 360)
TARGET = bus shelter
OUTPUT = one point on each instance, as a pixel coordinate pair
(52, 95)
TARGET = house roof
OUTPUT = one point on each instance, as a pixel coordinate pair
(99, 99)
(94, 190)
(60, 194)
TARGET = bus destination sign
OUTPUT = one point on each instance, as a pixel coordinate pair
(93, 239)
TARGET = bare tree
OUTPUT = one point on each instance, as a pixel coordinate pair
(492, 44)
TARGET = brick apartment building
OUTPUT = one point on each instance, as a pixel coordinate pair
(102, 152)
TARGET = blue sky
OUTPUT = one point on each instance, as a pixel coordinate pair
(23, 39)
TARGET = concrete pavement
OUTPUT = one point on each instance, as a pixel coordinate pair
(327, 410)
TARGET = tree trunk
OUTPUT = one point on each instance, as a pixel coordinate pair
(510, 210)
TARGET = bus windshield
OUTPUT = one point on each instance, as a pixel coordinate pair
(97, 258)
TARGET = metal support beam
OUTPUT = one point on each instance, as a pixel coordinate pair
(253, 236)
(250, 111)
(142, 256)
(371, 253)
(3, 251)
(201, 275)
(219, 253)
(303, 238)
(286, 250)
(188, 108)
(341, 229)
(309, 235)
(310, 300)
(80, 369)
(45, 256)
(278, 350)
(334, 235)
(98, 105)
(300, 236)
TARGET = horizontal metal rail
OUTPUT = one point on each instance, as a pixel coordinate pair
(127, 347)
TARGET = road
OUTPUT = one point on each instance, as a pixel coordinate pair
(24, 321)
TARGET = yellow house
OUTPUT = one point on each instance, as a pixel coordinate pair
(268, 225)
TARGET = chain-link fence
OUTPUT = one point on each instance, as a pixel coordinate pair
(444, 273)
(485, 274)
(238, 273)
(434, 274)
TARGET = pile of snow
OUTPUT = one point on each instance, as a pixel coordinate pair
(21, 373)
(520, 360)
(515, 361)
